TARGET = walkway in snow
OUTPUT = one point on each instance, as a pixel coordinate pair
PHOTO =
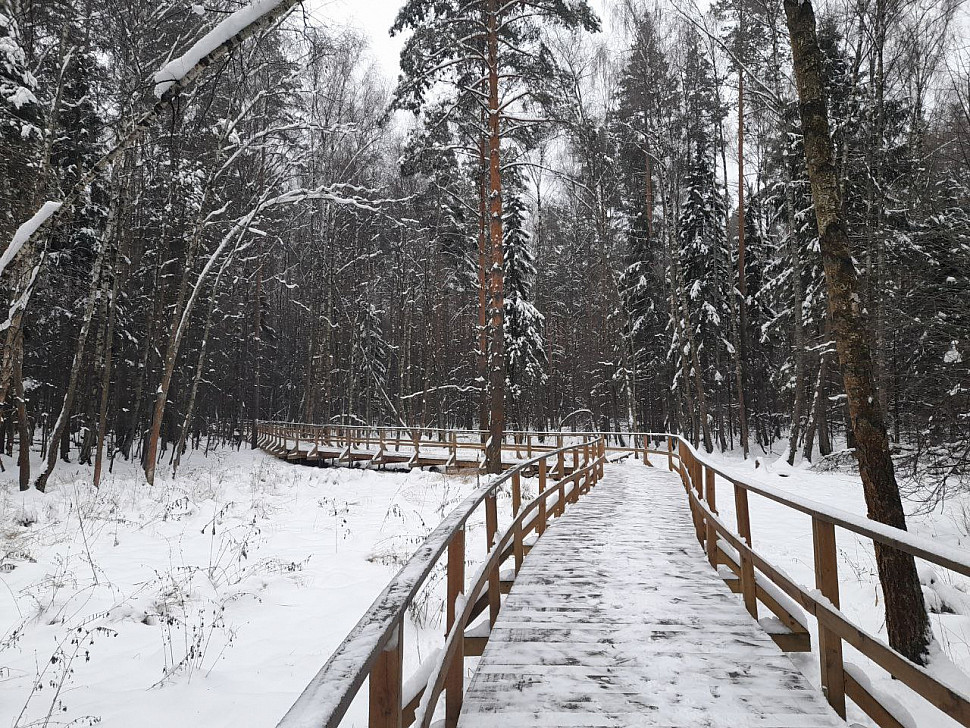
(617, 619)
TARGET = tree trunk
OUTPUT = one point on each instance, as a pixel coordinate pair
(106, 366)
(798, 403)
(199, 371)
(20, 402)
(742, 324)
(496, 358)
(482, 359)
(906, 620)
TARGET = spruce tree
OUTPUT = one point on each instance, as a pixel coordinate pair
(525, 356)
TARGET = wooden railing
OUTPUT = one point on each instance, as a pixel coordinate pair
(374, 649)
(762, 581)
(343, 441)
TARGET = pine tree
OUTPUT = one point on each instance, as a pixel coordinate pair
(492, 51)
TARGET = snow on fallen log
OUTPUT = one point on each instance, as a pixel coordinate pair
(26, 230)
(178, 69)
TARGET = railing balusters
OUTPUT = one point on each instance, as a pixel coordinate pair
(749, 587)
(386, 684)
(517, 546)
(710, 496)
(829, 643)
(494, 586)
(455, 681)
(542, 502)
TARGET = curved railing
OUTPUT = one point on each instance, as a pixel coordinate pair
(422, 445)
(375, 646)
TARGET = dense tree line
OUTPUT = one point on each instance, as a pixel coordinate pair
(294, 238)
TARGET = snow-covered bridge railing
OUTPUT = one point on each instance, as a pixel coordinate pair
(422, 446)
(758, 580)
(374, 649)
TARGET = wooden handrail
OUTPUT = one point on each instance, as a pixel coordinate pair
(374, 646)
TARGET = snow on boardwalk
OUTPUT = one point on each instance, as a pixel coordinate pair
(617, 619)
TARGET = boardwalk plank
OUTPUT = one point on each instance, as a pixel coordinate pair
(617, 619)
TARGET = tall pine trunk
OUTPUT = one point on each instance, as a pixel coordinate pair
(741, 321)
(496, 276)
(906, 620)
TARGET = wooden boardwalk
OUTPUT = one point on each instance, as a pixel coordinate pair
(617, 619)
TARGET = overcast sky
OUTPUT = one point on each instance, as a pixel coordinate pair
(373, 17)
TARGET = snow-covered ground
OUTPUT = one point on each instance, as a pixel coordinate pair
(213, 598)
(785, 538)
(208, 599)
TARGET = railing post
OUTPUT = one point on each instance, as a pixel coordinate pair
(561, 458)
(689, 474)
(494, 587)
(454, 682)
(386, 684)
(697, 475)
(710, 497)
(528, 445)
(602, 465)
(749, 587)
(542, 501)
(670, 454)
(829, 643)
(682, 465)
(517, 546)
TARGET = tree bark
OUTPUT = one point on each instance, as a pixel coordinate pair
(496, 285)
(20, 402)
(482, 359)
(742, 324)
(906, 620)
(199, 371)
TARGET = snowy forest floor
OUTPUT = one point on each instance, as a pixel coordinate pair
(213, 597)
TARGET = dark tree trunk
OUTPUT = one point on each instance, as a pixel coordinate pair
(496, 280)
(906, 620)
